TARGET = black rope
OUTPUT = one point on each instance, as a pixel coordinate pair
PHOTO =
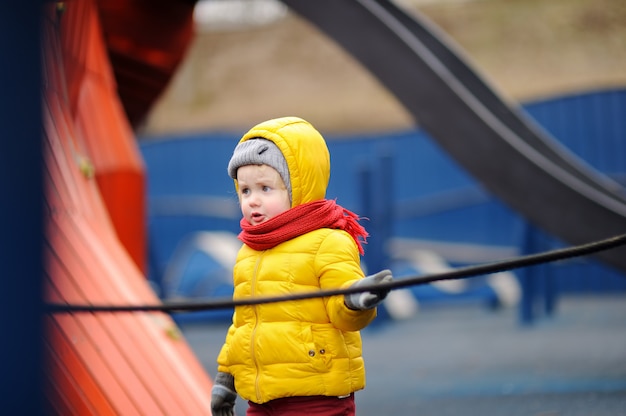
(460, 273)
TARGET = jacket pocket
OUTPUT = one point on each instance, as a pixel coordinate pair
(327, 344)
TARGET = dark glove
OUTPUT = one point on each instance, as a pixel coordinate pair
(223, 395)
(368, 300)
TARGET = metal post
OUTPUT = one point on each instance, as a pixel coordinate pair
(526, 314)
(21, 218)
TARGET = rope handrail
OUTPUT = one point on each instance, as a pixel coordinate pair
(460, 273)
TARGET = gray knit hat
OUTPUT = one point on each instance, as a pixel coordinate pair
(259, 152)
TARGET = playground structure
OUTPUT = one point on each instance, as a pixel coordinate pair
(94, 246)
(94, 198)
(514, 159)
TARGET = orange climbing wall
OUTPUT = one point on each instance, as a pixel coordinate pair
(100, 363)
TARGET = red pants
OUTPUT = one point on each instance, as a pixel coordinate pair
(310, 406)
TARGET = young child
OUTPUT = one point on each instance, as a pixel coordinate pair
(296, 357)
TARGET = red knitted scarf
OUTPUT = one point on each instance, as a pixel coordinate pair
(300, 220)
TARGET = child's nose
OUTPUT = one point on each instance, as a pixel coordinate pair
(254, 200)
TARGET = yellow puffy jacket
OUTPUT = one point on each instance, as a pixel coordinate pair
(307, 347)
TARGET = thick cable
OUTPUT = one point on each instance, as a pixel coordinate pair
(402, 282)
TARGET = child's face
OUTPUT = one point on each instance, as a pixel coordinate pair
(262, 193)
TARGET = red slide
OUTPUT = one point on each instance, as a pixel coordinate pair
(101, 363)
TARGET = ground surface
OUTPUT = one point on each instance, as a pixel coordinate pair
(467, 360)
(525, 49)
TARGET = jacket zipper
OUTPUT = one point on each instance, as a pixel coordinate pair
(256, 322)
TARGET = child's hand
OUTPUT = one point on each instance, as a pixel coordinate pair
(223, 395)
(370, 299)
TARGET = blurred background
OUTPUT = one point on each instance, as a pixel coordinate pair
(249, 61)
(253, 60)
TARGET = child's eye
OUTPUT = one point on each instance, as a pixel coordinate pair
(266, 189)
(245, 191)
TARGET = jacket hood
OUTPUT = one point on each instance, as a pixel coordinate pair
(306, 154)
